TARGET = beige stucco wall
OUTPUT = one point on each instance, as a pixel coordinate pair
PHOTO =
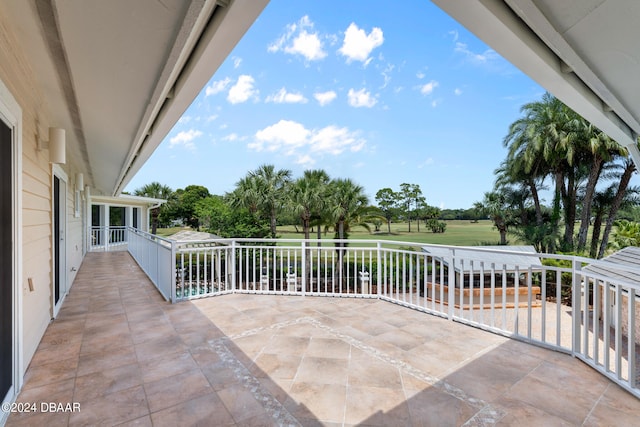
(21, 80)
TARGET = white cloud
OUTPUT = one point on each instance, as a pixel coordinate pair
(457, 91)
(284, 97)
(357, 44)
(325, 98)
(231, 137)
(242, 90)
(291, 138)
(335, 140)
(184, 120)
(217, 86)
(454, 34)
(284, 134)
(212, 117)
(361, 98)
(420, 75)
(386, 74)
(305, 160)
(185, 138)
(299, 39)
(485, 57)
(427, 88)
(435, 103)
(237, 61)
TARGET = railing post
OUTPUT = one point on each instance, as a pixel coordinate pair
(379, 269)
(576, 287)
(451, 285)
(172, 281)
(304, 267)
(233, 266)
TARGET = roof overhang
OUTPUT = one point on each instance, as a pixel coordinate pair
(118, 74)
(127, 200)
(584, 52)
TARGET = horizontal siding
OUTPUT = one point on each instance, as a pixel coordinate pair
(21, 79)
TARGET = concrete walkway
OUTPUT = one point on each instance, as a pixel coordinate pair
(129, 358)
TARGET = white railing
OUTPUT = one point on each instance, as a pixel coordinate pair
(550, 301)
(109, 238)
(155, 255)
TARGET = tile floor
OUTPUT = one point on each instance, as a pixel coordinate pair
(129, 358)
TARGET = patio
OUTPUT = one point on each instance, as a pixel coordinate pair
(130, 358)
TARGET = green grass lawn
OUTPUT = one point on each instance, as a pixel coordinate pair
(462, 233)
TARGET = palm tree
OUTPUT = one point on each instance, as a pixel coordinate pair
(272, 184)
(537, 140)
(347, 200)
(598, 150)
(514, 171)
(154, 190)
(320, 217)
(629, 168)
(602, 201)
(306, 197)
(495, 206)
(247, 194)
(627, 233)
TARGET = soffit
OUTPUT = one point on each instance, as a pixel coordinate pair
(118, 74)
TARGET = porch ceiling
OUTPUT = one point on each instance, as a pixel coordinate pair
(583, 51)
(118, 74)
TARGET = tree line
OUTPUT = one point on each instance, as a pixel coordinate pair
(267, 197)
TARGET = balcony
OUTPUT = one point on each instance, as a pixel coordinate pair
(286, 341)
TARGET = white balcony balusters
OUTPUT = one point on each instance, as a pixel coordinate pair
(566, 308)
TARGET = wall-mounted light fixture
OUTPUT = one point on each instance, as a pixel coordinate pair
(57, 145)
(79, 181)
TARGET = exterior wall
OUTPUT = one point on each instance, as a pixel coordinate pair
(75, 230)
(22, 82)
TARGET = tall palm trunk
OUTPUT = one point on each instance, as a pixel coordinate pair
(155, 215)
(617, 201)
(569, 203)
(595, 235)
(585, 218)
(536, 201)
(273, 222)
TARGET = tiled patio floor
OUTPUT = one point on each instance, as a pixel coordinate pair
(129, 358)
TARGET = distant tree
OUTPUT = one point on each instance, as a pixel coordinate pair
(496, 207)
(388, 201)
(427, 213)
(186, 204)
(217, 216)
(410, 196)
(157, 191)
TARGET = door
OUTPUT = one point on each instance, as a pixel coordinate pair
(6, 262)
(59, 240)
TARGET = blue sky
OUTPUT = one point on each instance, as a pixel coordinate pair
(380, 94)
